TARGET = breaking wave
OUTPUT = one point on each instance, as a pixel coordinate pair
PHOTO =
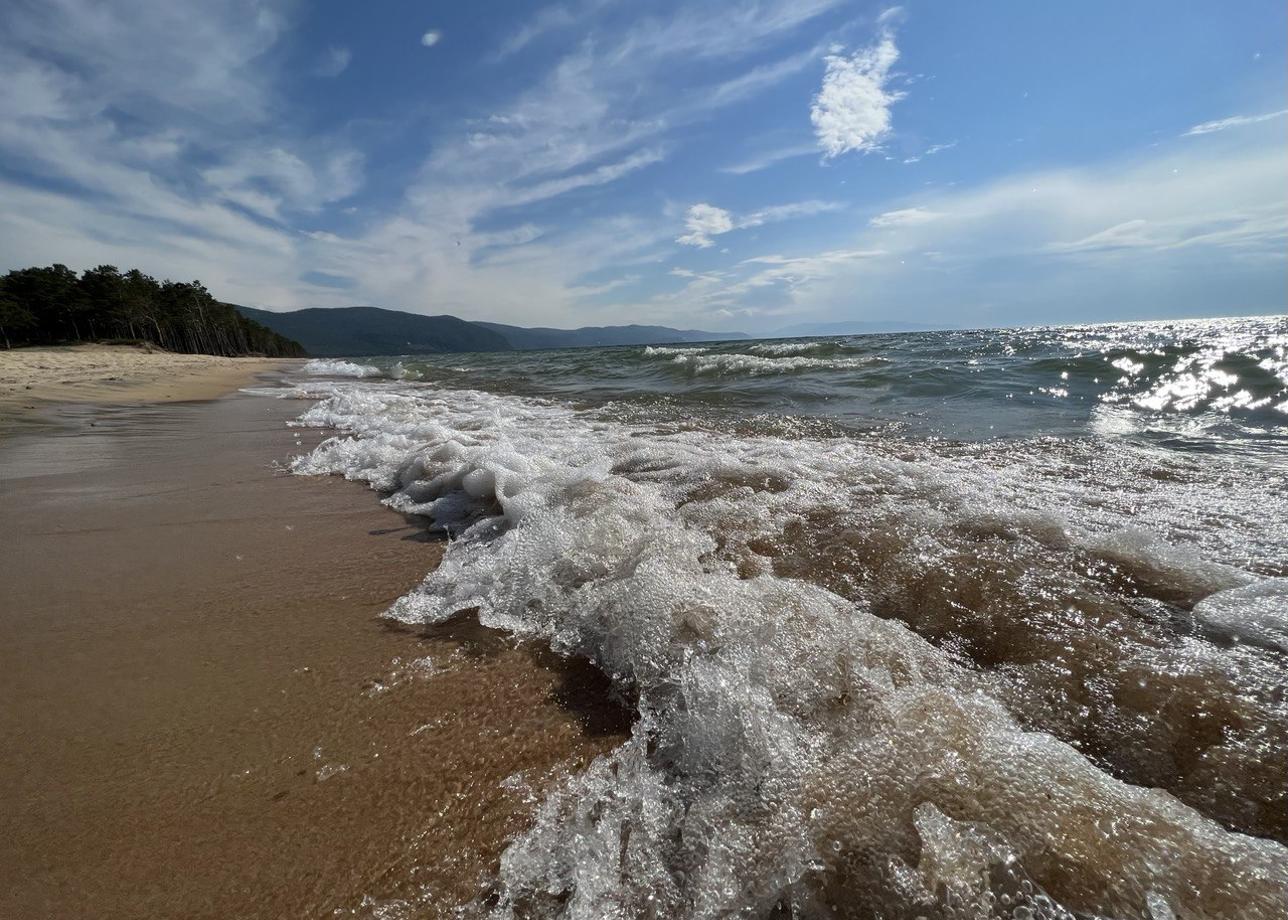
(756, 365)
(667, 351)
(872, 677)
(320, 367)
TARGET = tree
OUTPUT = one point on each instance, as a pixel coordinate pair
(15, 319)
(51, 305)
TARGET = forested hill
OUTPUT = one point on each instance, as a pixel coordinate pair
(590, 336)
(358, 331)
(53, 306)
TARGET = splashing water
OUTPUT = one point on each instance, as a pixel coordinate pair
(878, 672)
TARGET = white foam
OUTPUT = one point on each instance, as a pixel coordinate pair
(320, 367)
(666, 351)
(1257, 612)
(792, 748)
(788, 348)
(756, 365)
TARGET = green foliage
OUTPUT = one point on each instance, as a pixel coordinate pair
(49, 306)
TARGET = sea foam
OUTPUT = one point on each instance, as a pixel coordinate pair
(795, 752)
(320, 367)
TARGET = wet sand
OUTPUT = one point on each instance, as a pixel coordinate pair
(204, 715)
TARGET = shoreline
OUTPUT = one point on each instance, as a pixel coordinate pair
(206, 715)
(32, 379)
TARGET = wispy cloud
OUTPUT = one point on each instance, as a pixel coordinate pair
(930, 152)
(600, 175)
(334, 62)
(554, 18)
(431, 38)
(852, 109)
(704, 221)
(904, 217)
(1116, 230)
(768, 158)
(1234, 121)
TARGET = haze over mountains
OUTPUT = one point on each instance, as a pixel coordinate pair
(359, 331)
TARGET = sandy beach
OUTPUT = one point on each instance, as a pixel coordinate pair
(204, 714)
(35, 377)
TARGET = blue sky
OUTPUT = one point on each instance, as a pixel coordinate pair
(733, 165)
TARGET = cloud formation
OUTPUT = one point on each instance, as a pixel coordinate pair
(852, 109)
(1235, 121)
(431, 38)
(704, 221)
(543, 200)
(904, 217)
(334, 62)
(768, 158)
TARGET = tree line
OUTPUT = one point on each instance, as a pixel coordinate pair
(53, 306)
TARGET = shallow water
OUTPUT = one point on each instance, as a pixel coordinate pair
(960, 624)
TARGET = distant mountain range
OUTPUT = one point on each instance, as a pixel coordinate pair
(358, 331)
(589, 336)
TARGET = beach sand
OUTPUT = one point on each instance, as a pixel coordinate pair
(204, 715)
(34, 377)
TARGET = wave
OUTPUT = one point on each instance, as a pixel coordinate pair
(841, 655)
(755, 365)
(320, 367)
(653, 351)
(789, 348)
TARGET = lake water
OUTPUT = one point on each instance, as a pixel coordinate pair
(952, 624)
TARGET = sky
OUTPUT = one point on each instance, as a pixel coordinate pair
(716, 165)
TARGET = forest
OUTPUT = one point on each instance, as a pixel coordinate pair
(55, 306)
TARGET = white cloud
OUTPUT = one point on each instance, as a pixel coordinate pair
(796, 271)
(720, 29)
(852, 109)
(1235, 121)
(549, 19)
(930, 152)
(268, 181)
(206, 172)
(704, 221)
(788, 212)
(598, 290)
(334, 62)
(768, 158)
(431, 38)
(904, 217)
(760, 78)
(600, 175)
(1192, 232)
